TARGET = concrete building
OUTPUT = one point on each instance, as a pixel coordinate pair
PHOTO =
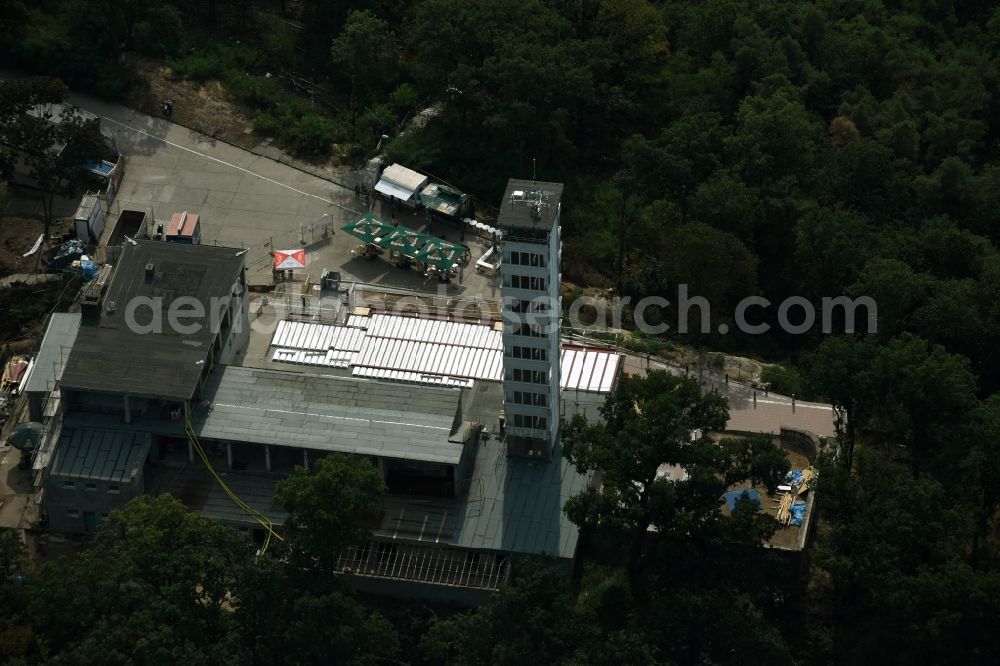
(424, 399)
(139, 349)
(93, 472)
(460, 416)
(529, 220)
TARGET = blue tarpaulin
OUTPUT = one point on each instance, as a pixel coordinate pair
(101, 168)
(798, 513)
(747, 494)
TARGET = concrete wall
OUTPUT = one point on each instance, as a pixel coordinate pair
(801, 440)
(463, 472)
(61, 500)
(586, 403)
(94, 402)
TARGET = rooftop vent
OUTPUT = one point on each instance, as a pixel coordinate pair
(150, 270)
(536, 213)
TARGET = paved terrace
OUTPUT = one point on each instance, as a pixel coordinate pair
(767, 412)
(250, 201)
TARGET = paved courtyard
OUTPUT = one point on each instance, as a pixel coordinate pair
(249, 201)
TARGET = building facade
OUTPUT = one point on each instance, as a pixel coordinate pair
(529, 221)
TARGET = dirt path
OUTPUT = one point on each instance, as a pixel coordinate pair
(17, 235)
(202, 107)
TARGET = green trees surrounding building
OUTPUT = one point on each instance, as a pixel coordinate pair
(779, 148)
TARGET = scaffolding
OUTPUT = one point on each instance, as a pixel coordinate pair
(426, 564)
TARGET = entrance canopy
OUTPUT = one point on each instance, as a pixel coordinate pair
(402, 184)
(388, 189)
(289, 259)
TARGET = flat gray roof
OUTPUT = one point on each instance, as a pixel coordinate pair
(331, 413)
(198, 491)
(515, 209)
(111, 357)
(430, 520)
(516, 505)
(99, 455)
(54, 352)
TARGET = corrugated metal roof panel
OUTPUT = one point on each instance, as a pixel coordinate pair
(358, 321)
(99, 455)
(588, 369)
(319, 337)
(438, 331)
(411, 377)
(430, 358)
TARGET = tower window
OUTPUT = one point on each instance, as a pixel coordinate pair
(526, 376)
(527, 398)
(527, 282)
(527, 259)
(526, 421)
(530, 353)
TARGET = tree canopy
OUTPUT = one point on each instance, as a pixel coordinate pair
(51, 139)
(785, 148)
(335, 504)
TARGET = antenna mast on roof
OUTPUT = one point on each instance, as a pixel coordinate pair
(535, 198)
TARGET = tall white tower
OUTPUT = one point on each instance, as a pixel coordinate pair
(529, 220)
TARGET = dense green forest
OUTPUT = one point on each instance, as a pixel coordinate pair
(778, 148)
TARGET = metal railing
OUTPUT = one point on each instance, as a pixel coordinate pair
(425, 564)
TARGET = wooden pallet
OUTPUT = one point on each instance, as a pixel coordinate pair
(784, 515)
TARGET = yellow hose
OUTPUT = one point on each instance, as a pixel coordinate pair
(264, 521)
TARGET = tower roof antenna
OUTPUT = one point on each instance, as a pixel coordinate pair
(533, 173)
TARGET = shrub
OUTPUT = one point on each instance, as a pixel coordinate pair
(159, 34)
(267, 124)
(312, 135)
(254, 91)
(404, 99)
(35, 308)
(377, 119)
(216, 62)
(280, 39)
(785, 380)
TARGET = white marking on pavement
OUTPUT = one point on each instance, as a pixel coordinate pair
(231, 165)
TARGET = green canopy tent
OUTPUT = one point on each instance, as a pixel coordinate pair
(368, 229)
(442, 254)
(405, 242)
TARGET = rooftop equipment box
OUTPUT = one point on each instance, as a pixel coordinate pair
(184, 228)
